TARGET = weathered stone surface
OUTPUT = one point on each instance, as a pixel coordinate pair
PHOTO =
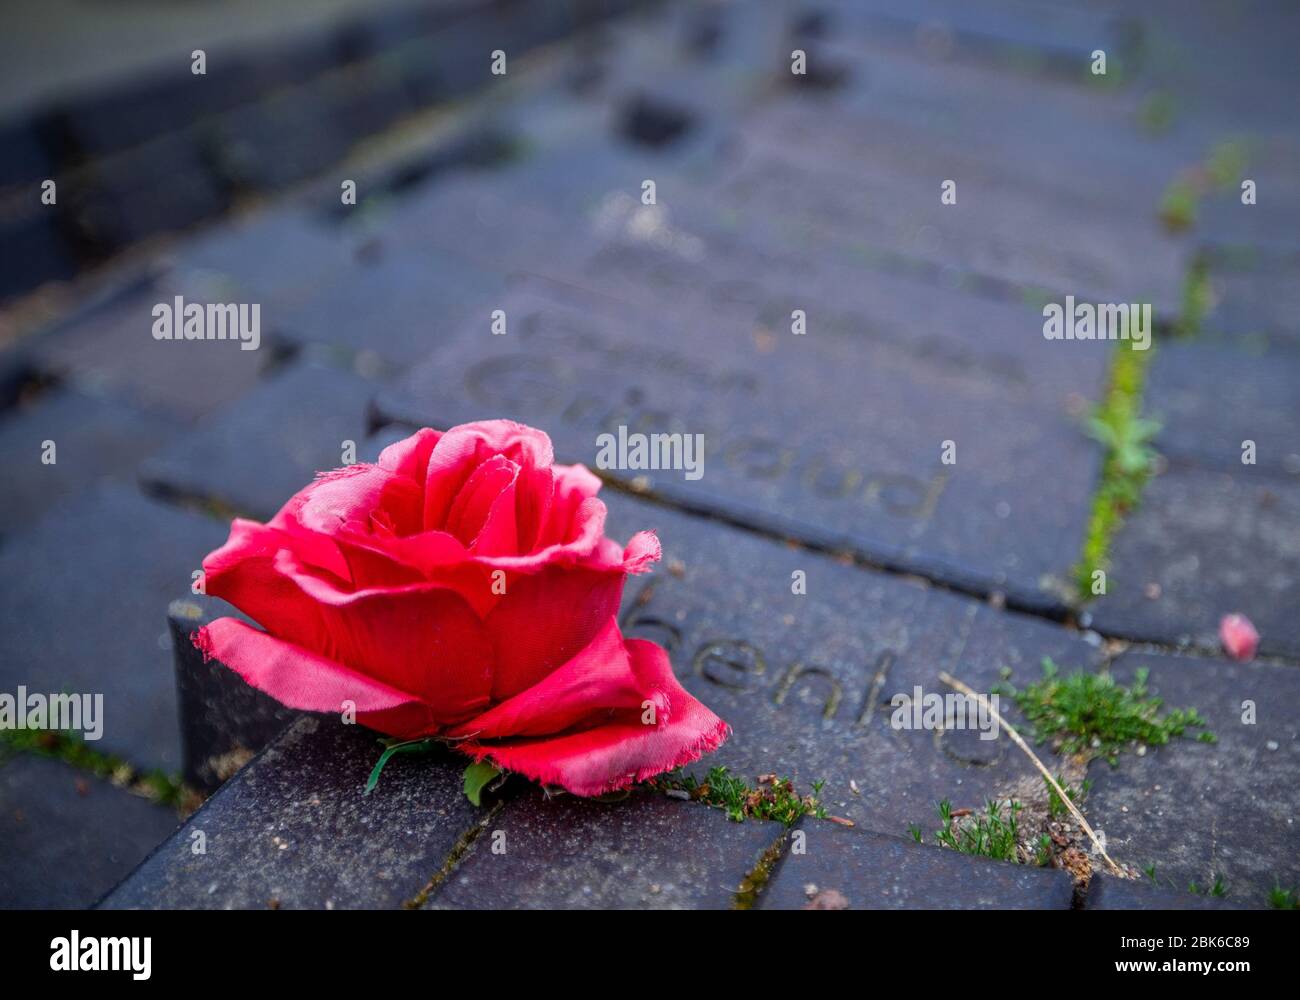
(275, 257)
(94, 440)
(270, 444)
(67, 837)
(1108, 893)
(806, 681)
(1201, 545)
(840, 454)
(33, 249)
(294, 830)
(396, 307)
(160, 186)
(645, 851)
(1255, 398)
(1199, 811)
(860, 183)
(1051, 38)
(109, 349)
(224, 721)
(83, 611)
(873, 871)
(1255, 300)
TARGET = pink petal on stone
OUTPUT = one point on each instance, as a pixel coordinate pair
(1239, 638)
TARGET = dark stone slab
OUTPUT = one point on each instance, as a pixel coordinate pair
(276, 257)
(160, 186)
(67, 837)
(224, 721)
(646, 851)
(1255, 299)
(1212, 543)
(806, 681)
(574, 215)
(1026, 231)
(25, 159)
(1107, 893)
(277, 141)
(1198, 811)
(1044, 38)
(295, 831)
(1255, 397)
(396, 307)
(83, 612)
(270, 443)
(94, 440)
(33, 249)
(841, 453)
(109, 349)
(872, 871)
(1255, 232)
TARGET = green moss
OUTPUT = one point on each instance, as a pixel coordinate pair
(1284, 899)
(990, 834)
(1157, 113)
(72, 749)
(1180, 204)
(1090, 713)
(1117, 423)
(1196, 297)
(753, 883)
(776, 799)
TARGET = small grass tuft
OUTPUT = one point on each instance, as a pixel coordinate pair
(1117, 423)
(774, 799)
(1090, 713)
(990, 834)
(1055, 806)
(1284, 899)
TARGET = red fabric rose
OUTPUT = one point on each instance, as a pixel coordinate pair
(462, 588)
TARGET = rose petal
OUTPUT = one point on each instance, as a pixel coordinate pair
(304, 680)
(420, 637)
(1239, 637)
(464, 448)
(614, 753)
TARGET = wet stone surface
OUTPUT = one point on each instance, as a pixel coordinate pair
(66, 837)
(872, 871)
(394, 307)
(1255, 400)
(93, 440)
(806, 682)
(271, 443)
(644, 851)
(1107, 893)
(1201, 811)
(94, 620)
(1008, 515)
(111, 350)
(295, 831)
(1204, 544)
